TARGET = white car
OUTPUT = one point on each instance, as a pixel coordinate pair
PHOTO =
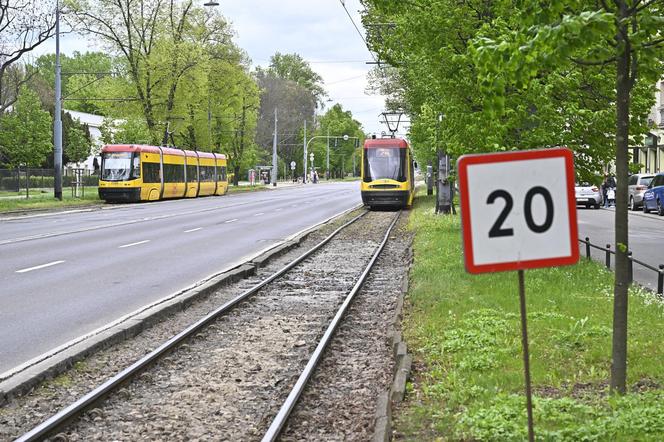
(588, 195)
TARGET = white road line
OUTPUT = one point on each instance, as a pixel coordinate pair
(280, 208)
(192, 230)
(134, 244)
(40, 267)
(259, 214)
(231, 220)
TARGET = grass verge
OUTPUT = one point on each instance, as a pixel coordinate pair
(45, 200)
(464, 331)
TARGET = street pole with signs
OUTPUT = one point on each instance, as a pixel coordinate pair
(311, 157)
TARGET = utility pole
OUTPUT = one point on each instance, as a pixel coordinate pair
(57, 123)
(304, 163)
(327, 162)
(354, 152)
(274, 151)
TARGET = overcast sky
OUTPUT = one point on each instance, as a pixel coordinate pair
(318, 30)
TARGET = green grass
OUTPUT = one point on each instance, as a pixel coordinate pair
(41, 200)
(243, 189)
(464, 331)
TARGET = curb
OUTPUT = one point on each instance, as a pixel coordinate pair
(53, 365)
(395, 394)
(638, 213)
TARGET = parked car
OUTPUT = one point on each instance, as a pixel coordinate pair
(653, 198)
(588, 195)
(636, 186)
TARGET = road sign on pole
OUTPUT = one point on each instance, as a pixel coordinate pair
(292, 165)
(518, 211)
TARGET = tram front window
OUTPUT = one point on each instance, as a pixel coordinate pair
(385, 163)
(120, 166)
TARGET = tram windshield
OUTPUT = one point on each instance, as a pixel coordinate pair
(385, 163)
(120, 166)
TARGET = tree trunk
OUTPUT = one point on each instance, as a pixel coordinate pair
(236, 175)
(624, 84)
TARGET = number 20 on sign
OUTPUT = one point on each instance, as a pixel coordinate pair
(518, 212)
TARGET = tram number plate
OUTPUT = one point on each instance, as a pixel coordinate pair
(518, 210)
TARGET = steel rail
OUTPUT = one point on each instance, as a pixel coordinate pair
(77, 408)
(285, 410)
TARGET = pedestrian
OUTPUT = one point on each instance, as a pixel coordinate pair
(605, 189)
(315, 177)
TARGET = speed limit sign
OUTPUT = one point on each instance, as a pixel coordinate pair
(518, 210)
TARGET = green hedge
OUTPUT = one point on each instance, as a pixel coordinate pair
(9, 183)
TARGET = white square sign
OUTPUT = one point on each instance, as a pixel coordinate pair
(518, 210)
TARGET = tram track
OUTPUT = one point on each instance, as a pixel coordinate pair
(255, 350)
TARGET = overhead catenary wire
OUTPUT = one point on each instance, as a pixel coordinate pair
(343, 4)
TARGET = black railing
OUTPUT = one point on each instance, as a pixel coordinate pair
(630, 271)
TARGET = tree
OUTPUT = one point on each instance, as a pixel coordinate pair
(76, 144)
(623, 36)
(294, 68)
(24, 25)
(338, 123)
(294, 105)
(160, 41)
(129, 131)
(25, 133)
(86, 77)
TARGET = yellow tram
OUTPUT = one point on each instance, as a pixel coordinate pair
(387, 173)
(149, 173)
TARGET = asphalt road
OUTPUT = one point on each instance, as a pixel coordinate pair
(646, 239)
(65, 275)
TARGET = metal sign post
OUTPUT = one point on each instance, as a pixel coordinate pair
(526, 356)
(511, 220)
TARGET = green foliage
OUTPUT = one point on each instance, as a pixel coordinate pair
(25, 132)
(337, 122)
(294, 68)
(129, 131)
(488, 76)
(86, 77)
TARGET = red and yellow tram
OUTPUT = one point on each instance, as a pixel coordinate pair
(387, 173)
(149, 173)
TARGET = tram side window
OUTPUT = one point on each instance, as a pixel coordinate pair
(207, 173)
(192, 176)
(173, 173)
(151, 172)
(223, 173)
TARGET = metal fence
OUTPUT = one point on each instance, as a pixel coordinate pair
(22, 180)
(607, 261)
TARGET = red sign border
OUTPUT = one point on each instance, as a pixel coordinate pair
(501, 157)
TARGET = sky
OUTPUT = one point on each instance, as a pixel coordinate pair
(319, 30)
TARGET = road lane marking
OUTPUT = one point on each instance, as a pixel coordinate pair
(231, 220)
(39, 267)
(192, 230)
(280, 208)
(134, 244)
(259, 214)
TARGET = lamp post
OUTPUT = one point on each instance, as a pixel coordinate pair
(57, 122)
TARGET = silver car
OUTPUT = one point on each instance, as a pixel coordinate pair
(588, 195)
(636, 186)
